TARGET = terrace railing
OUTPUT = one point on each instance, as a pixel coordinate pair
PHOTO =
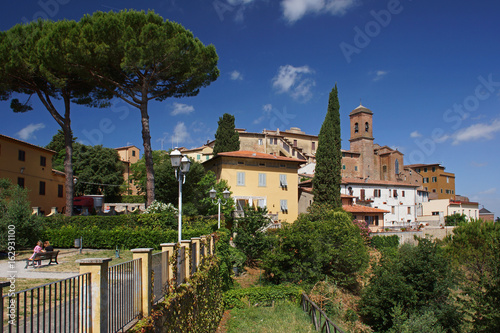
(61, 306)
(319, 318)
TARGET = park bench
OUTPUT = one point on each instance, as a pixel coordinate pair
(51, 255)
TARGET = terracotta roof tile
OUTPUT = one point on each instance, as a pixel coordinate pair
(253, 154)
(362, 209)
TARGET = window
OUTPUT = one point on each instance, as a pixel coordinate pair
(350, 190)
(355, 168)
(435, 213)
(240, 181)
(198, 157)
(362, 195)
(433, 169)
(313, 146)
(396, 167)
(356, 128)
(295, 143)
(284, 206)
(22, 155)
(434, 179)
(283, 182)
(425, 169)
(390, 193)
(433, 190)
(20, 182)
(208, 157)
(395, 193)
(343, 154)
(262, 179)
(43, 161)
(41, 189)
(260, 142)
(418, 170)
(409, 210)
(376, 193)
(393, 209)
(367, 127)
(240, 204)
(343, 167)
(425, 180)
(133, 152)
(60, 189)
(384, 168)
(403, 194)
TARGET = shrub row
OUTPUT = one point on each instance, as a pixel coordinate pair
(263, 296)
(381, 242)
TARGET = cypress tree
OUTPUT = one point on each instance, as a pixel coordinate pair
(226, 137)
(327, 177)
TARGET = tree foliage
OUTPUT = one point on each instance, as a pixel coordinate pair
(327, 177)
(475, 250)
(455, 219)
(322, 244)
(15, 216)
(35, 60)
(226, 137)
(140, 57)
(250, 238)
(416, 279)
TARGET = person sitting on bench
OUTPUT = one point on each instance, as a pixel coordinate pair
(47, 247)
(38, 248)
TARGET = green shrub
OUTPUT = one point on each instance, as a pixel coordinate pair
(223, 252)
(382, 242)
(263, 296)
(132, 199)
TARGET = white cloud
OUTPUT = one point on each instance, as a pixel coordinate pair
(180, 108)
(492, 190)
(378, 74)
(294, 10)
(267, 108)
(235, 75)
(415, 134)
(290, 79)
(29, 131)
(181, 134)
(475, 132)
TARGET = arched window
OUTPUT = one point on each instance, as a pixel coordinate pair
(350, 190)
(396, 167)
(356, 128)
(367, 127)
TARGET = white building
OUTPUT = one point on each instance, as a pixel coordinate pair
(445, 207)
(399, 198)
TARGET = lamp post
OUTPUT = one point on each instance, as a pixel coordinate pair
(181, 164)
(225, 194)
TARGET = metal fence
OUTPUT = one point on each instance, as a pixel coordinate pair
(124, 287)
(160, 263)
(318, 317)
(61, 306)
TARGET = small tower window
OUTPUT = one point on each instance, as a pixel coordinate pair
(396, 167)
(356, 128)
(367, 127)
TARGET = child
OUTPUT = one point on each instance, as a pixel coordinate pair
(37, 249)
(47, 247)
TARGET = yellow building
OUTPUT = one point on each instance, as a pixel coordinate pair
(30, 167)
(439, 183)
(199, 154)
(259, 179)
(129, 155)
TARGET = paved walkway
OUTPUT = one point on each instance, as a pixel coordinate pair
(29, 273)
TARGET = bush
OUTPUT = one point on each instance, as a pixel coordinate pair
(383, 242)
(316, 246)
(132, 199)
(223, 252)
(263, 296)
(15, 215)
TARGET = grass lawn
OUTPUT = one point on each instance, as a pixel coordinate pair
(283, 317)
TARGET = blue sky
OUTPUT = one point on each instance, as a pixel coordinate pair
(429, 71)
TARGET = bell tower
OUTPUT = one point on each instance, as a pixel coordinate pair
(361, 120)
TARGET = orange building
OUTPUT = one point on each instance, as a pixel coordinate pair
(30, 167)
(439, 183)
(129, 155)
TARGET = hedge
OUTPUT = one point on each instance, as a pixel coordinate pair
(381, 242)
(262, 296)
(125, 231)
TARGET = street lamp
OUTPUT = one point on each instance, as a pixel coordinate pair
(225, 194)
(181, 164)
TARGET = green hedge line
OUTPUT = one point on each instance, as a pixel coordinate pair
(382, 242)
(263, 296)
(125, 231)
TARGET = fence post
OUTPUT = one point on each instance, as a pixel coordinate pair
(186, 244)
(196, 243)
(146, 272)
(98, 269)
(167, 270)
(3, 285)
(212, 243)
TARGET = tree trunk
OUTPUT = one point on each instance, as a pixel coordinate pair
(148, 154)
(68, 158)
